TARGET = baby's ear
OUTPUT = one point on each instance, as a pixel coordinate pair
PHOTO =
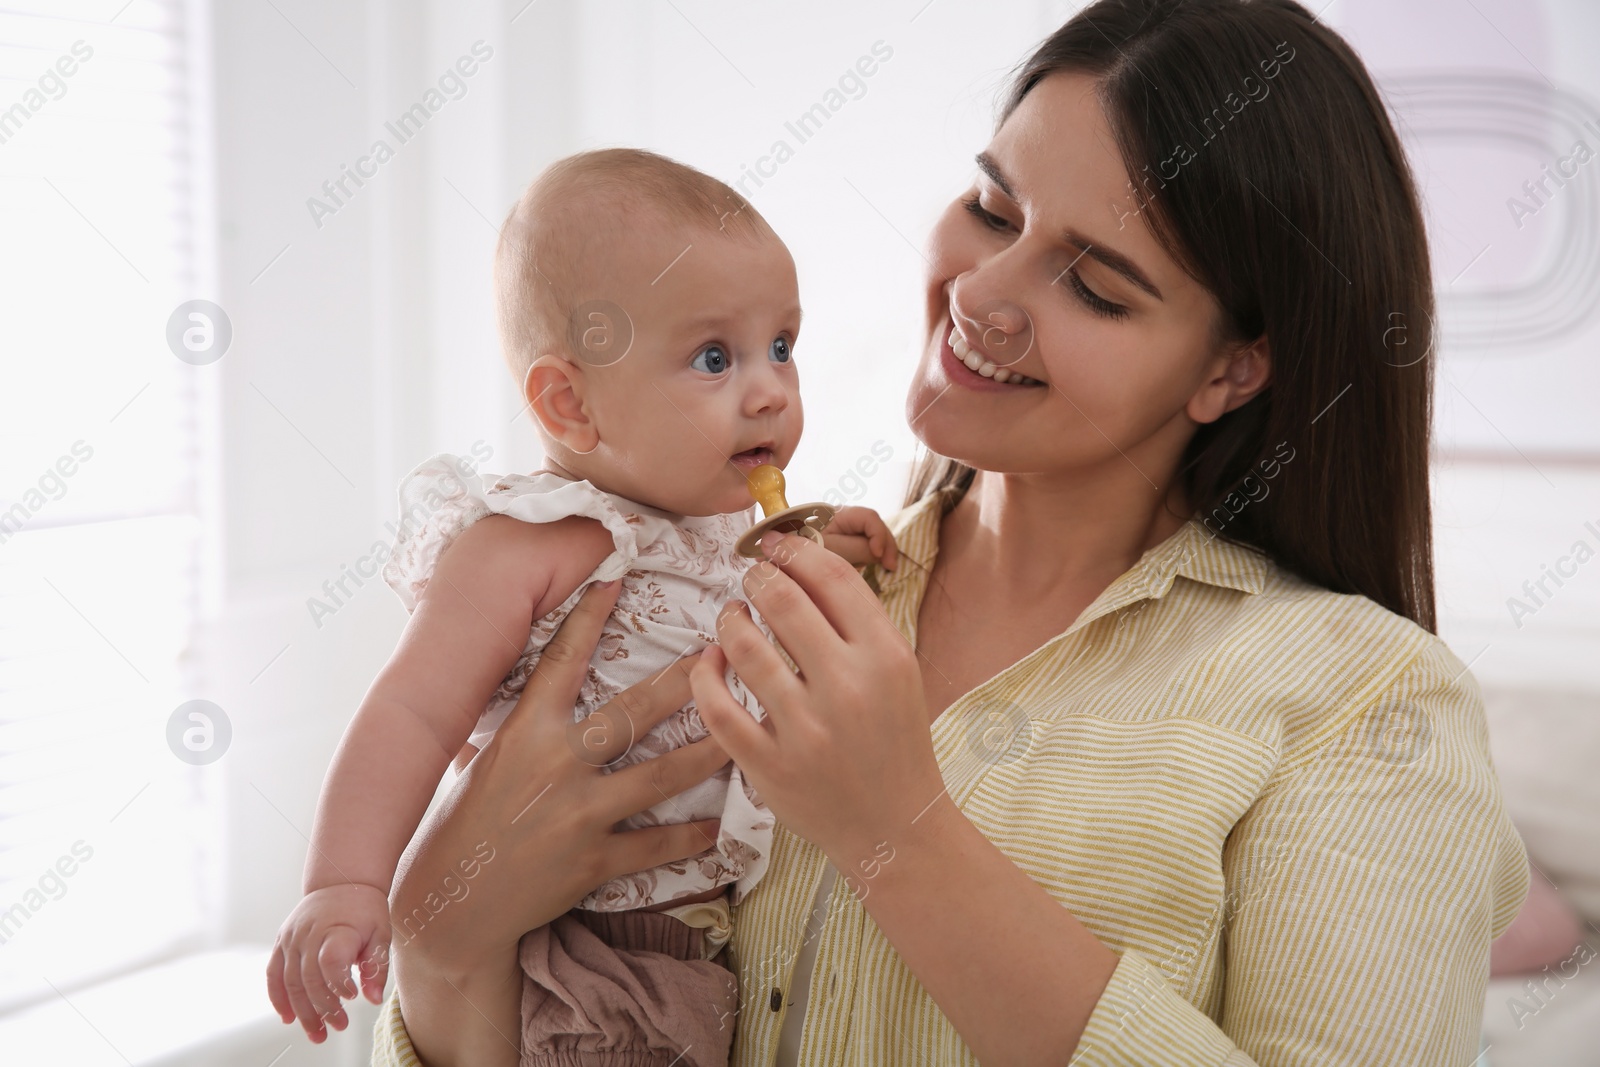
(554, 391)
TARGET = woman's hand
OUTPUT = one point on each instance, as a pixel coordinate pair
(527, 831)
(844, 758)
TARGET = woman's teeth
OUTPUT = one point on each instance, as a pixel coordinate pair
(977, 363)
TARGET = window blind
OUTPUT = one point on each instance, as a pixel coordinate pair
(102, 854)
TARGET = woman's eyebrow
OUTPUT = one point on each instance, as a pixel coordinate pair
(987, 164)
(1108, 257)
(1112, 259)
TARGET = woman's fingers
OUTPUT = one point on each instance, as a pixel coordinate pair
(754, 658)
(613, 728)
(811, 598)
(643, 785)
(750, 743)
(639, 850)
(553, 687)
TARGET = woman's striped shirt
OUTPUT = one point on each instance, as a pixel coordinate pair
(1276, 803)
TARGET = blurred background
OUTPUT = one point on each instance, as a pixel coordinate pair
(229, 323)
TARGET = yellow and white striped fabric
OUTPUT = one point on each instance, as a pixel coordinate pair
(1276, 803)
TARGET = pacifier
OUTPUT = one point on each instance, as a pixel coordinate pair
(766, 486)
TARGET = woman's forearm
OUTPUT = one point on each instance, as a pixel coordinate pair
(1015, 972)
(460, 1020)
(456, 967)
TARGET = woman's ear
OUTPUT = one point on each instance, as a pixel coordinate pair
(1233, 379)
(554, 390)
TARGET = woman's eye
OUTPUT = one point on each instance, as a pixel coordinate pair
(1097, 303)
(779, 352)
(711, 359)
(988, 218)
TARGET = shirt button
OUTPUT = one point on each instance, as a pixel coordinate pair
(833, 984)
(777, 999)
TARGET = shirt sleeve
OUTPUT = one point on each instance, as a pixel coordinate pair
(391, 1045)
(1364, 887)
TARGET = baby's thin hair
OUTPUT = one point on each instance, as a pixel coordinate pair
(578, 202)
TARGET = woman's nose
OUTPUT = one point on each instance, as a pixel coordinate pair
(998, 325)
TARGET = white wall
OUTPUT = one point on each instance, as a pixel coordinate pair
(1486, 95)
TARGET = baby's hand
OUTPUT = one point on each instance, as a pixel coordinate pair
(331, 930)
(861, 536)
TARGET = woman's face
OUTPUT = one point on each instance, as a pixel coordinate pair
(1088, 364)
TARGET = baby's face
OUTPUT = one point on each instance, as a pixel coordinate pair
(708, 387)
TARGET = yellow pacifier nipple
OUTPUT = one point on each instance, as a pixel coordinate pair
(766, 485)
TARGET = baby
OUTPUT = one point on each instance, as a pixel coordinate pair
(650, 315)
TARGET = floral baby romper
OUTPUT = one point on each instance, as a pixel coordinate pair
(677, 572)
(607, 983)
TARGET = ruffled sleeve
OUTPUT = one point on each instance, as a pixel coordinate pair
(444, 495)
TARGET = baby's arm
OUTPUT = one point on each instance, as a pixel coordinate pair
(861, 536)
(469, 627)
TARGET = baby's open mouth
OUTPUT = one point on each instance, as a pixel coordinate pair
(752, 458)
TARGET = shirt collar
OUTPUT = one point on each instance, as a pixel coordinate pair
(1202, 555)
(1194, 552)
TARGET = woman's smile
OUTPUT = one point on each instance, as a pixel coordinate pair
(967, 367)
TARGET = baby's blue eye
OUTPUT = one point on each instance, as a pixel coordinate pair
(711, 359)
(779, 352)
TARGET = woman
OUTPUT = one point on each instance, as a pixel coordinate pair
(1201, 784)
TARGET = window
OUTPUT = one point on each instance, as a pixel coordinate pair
(102, 847)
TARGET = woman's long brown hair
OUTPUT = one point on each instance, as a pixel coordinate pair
(1292, 202)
